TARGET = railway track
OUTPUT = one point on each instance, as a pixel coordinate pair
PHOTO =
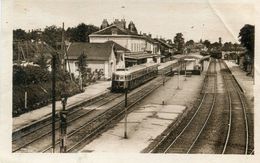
(183, 139)
(44, 130)
(87, 132)
(37, 140)
(237, 138)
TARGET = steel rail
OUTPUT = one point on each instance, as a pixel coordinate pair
(206, 121)
(49, 123)
(170, 129)
(102, 114)
(230, 115)
(108, 122)
(238, 91)
(188, 124)
(235, 87)
(73, 119)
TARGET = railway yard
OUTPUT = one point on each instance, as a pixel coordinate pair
(210, 113)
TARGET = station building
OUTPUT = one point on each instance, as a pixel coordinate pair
(142, 48)
(101, 57)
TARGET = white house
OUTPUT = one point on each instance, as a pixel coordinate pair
(105, 57)
(127, 38)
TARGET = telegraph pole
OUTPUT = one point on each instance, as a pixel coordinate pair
(125, 125)
(63, 124)
(185, 70)
(179, 75)
(53, 100)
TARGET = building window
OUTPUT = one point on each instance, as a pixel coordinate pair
(114, 31)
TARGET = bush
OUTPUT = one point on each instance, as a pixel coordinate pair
(29, 75)
(37, 82)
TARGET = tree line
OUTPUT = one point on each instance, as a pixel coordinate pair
(53, 34)
(246, 38)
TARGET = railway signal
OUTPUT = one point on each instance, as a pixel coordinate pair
(63, 125)
(63, 130)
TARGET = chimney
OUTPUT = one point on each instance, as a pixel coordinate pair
(121, 23)
(150, 35)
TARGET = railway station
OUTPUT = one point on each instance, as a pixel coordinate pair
(126, 85)
(143, 118)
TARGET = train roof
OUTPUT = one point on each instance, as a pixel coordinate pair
(135, 68)
(166, 64)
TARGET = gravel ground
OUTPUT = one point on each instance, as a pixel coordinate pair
(247, 84)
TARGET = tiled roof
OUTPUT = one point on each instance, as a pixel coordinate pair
(94, 51)
(139, 55)
(108, 31)
(163, 43)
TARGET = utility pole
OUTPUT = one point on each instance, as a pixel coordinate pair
(62, 48)
(179, 75)
(63, 125)
(53, 100)
(163, 85)
(185, 70)
(125, 125)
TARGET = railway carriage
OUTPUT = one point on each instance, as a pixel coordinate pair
(133, 77)
(167, 68)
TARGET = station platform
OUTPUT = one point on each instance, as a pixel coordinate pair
(150, 118)
(92, 91)
(245, 82)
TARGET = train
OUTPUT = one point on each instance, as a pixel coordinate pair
(137, 75)
(167, 68)
(133, 77)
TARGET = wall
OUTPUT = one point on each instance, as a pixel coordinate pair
(73, 67)
(133, 44)
(91, 64)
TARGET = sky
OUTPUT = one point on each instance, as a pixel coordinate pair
(196, 19)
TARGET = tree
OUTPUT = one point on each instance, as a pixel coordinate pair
(190, 43)
(82, 68)
(207, 43)
(228, 46)
(20, 34)
(235, 46)
(179, 42)
(51, 35)
(42, 61)
(34, 34)
(81, 32)
(247, 39)
(215, 46)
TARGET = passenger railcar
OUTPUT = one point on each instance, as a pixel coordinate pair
(167, 68)
(133, 77)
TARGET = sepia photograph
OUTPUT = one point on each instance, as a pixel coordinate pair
(133, 77)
